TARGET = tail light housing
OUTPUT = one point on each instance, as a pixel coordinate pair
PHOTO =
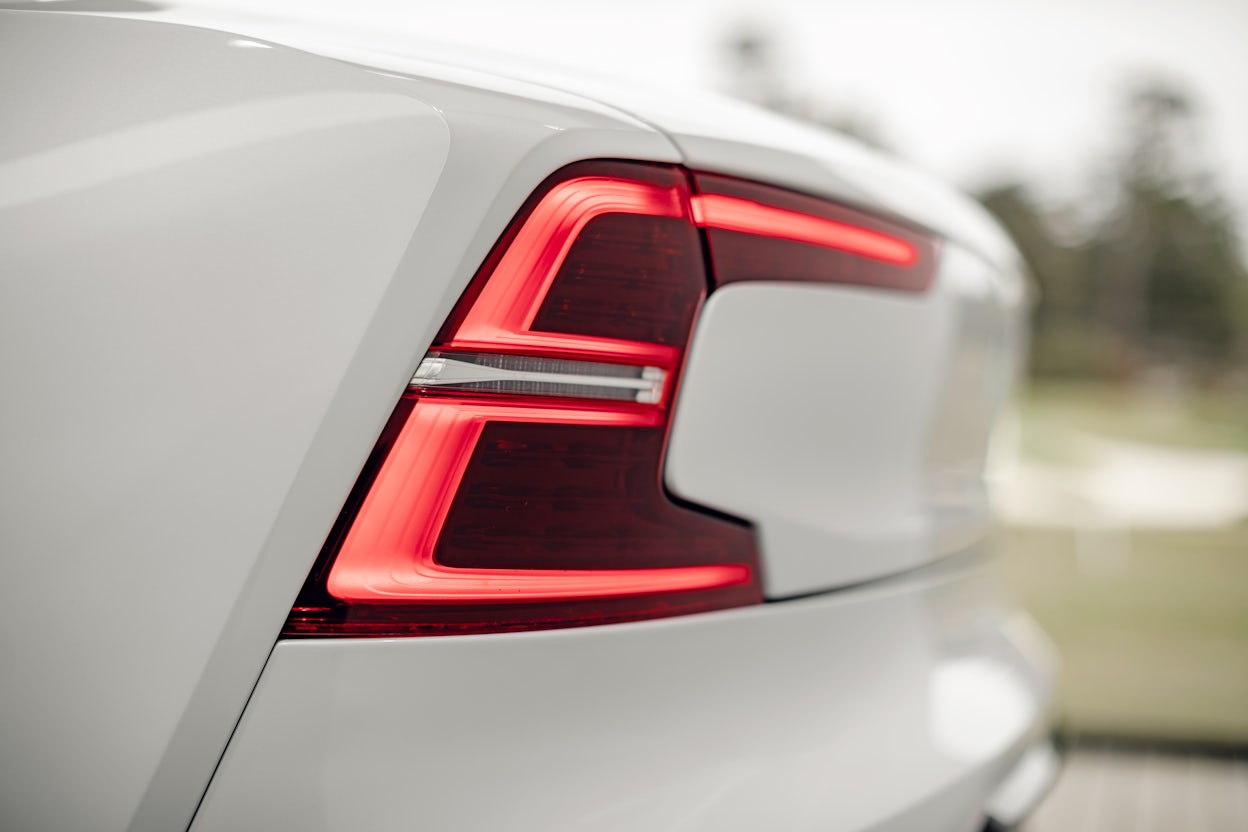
(518, 483)
(760, 232)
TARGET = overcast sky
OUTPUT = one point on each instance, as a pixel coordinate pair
(975, 90)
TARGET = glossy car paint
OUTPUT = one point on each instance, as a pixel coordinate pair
(894, 707)
(228, 271)
(218, 278)
(849, 425)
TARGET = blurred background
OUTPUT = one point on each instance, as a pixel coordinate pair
(1111, 138)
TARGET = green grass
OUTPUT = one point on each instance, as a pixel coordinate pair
(1157, 648)
(1191, 419)
(1152, 625)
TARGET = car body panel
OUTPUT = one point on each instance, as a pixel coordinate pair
(229, 272)
(849, 425)
(752, 718)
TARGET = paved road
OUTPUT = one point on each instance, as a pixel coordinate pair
(1113, 789)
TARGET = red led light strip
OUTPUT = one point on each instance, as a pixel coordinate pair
(730, 213)
(388, 555)
(501, 315)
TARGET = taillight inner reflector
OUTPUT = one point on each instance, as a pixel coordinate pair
(518, 483)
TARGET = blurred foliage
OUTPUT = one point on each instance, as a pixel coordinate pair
(1156, 282)
(1151, 622)
(1155, 649)
(1051, 409)
(755, 67)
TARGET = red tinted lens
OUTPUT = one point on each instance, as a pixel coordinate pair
(631, 277)
(757, 232)
(629, 245)
(557, 496)
(484, 511)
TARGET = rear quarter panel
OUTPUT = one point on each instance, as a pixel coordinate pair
(221, 262)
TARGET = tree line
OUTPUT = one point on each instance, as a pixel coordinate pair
(1157, 280)
(1153, 278)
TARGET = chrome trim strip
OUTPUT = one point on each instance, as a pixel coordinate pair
(443, 370)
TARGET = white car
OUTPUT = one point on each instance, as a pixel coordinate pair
(392, 443)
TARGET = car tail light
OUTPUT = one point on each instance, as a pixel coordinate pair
(758, 232)
(518, 483)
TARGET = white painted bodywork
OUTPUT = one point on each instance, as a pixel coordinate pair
(892, 708)
(222, 257)
(848, 425)
(206, 323)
